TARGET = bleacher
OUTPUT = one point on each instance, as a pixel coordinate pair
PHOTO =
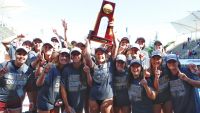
(183, 53)
(5, 32)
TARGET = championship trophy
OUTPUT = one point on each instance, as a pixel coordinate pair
(107, 10)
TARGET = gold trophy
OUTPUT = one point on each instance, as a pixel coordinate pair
(107, 10)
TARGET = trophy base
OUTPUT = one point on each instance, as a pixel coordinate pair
(100, 40)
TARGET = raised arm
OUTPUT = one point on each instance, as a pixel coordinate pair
(150, 92)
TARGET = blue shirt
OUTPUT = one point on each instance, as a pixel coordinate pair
(120, 88)
(182, 93)
(163, 90)
(74, 82)
(12, 84)
(140, 102)
(102, 82)
(49, 91)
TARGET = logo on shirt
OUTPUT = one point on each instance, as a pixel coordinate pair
(135, 93)
(74, 83)
(177, 88)
(120, 83)
(100, 75)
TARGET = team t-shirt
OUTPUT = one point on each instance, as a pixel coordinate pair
(12, 84)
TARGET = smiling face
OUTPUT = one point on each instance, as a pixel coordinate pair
(100, 56)
(156, 61)
(47, 49)
(37, 44)
(21, 57)
(172, 64)
(158, 47)
(135, 70)
(64, 58)
(141, 43)
(124, 42)
(76, 56)
(120, 65)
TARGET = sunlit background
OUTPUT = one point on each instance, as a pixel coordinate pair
(133, 18)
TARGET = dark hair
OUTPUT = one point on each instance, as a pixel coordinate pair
(151, 66)
(168, 70)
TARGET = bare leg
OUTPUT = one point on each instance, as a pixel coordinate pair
(94, 106)
(106, 106)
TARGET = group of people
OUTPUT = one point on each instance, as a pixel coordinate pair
(122, 78)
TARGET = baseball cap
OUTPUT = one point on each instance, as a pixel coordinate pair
(157, 42)
(54, 38)
(121, 57)
(135, 61)
(140, 38)
(27, 41)
(48, 43)
(21, 48)
(172, 57)
(135, 45)
(100, 49)
(125, 38)
(80, 44)
(75, 49)
(156, 53)
(37, 39)
(64, 50)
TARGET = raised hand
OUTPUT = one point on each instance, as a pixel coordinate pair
(64, 24)
(193, 68)
(86, 69)
(4, 70)
(55, 31)
(143, 82)
(42, 59)
(157, 72)
(181, 75)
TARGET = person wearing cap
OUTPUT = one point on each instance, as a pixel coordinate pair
(159, 46)
(141, 42)
(27, 44)
(132, 53)
(101, 94)
(31, 87)
(46, 54)
(182, 86)
(123, 45)
(160, 78)
(47, 50)
(143, 54)
(13, 79)
(49, 82)
(73, 43)
(75, 78)
(121, 102)
(141, 90)
(36, 48)
(80, 45)
(56, 43)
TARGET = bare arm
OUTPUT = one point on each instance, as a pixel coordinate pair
(192, 82)
(64, 98)
(150, 93)
(44, 72)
